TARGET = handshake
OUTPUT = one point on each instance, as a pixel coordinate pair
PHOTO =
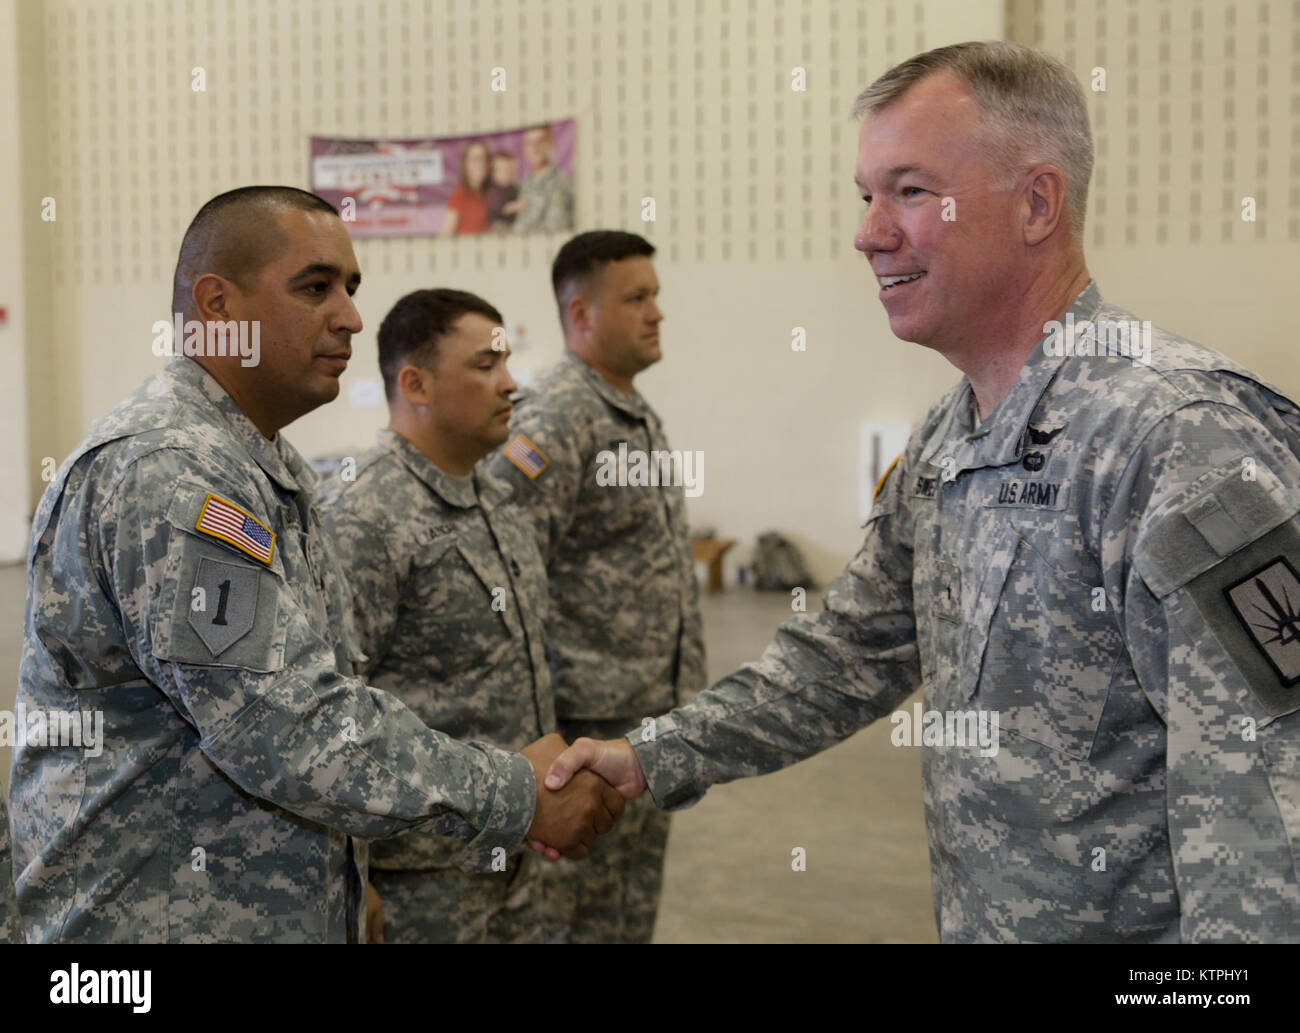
(581, 791)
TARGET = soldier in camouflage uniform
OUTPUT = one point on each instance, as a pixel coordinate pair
(546, 195)
(449, 597)
(10, 931)
(179, 583)
(624, 634)
(1102, 551)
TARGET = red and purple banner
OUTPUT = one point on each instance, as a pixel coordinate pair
(512, 182)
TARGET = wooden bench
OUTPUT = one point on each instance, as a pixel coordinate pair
(711, 551)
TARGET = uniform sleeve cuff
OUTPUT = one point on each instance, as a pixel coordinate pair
(508, 816)
(669, 765)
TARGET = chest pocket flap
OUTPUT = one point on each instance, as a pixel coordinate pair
(1039, 649)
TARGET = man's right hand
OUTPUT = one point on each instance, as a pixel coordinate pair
(614, 760)
(568, 820)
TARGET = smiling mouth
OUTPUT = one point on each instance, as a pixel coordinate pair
(890, 282)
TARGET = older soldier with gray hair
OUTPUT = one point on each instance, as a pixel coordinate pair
(1099, 546)
(179, 582)
(449, 596)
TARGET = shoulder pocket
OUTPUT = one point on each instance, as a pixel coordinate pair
(218, 605)
(1226, 565)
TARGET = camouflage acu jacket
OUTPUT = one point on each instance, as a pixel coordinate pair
(449, 597)
(179, 583)
(624, 633)
(1107, 564)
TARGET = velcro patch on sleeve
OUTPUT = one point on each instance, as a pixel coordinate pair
(223, 602)
(1267, 603)
(234, 525)
(527, 456)
(1251, 602)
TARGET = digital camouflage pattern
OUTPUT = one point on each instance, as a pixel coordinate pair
(449, 600)
(625, 638)
(451, 906)
(10, 931)
(241, 754)
(1087, 563)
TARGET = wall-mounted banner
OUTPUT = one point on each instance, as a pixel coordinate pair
(518, 181)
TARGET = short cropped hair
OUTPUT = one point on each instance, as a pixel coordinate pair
(410, 333)
(235, 236)
(1033, 104)
(581, 260)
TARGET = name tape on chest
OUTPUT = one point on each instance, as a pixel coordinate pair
(235, 526)
(925, 487)
(527, 456)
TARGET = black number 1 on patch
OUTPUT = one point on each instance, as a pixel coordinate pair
(1267, 602)
(229, 591)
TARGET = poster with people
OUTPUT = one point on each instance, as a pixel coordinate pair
(517, 181)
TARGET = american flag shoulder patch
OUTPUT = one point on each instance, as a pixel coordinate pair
(227, 521)
(527, 456)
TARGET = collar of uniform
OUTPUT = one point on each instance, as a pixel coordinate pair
(437, 480)
(634, 405)
(277, 458)
(998, 440)
(492, 490)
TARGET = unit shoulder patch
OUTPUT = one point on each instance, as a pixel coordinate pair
(228, 593)
(1251, 602)
(1267, 603)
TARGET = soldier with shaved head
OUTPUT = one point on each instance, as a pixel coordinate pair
(180, 584)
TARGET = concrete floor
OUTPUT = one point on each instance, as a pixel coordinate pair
(855, 809)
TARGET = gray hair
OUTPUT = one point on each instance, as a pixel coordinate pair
(1031, 101)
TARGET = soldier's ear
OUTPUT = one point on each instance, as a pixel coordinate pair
(579, 314)
(1044, 203)
(415, 384)
(211, 297)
